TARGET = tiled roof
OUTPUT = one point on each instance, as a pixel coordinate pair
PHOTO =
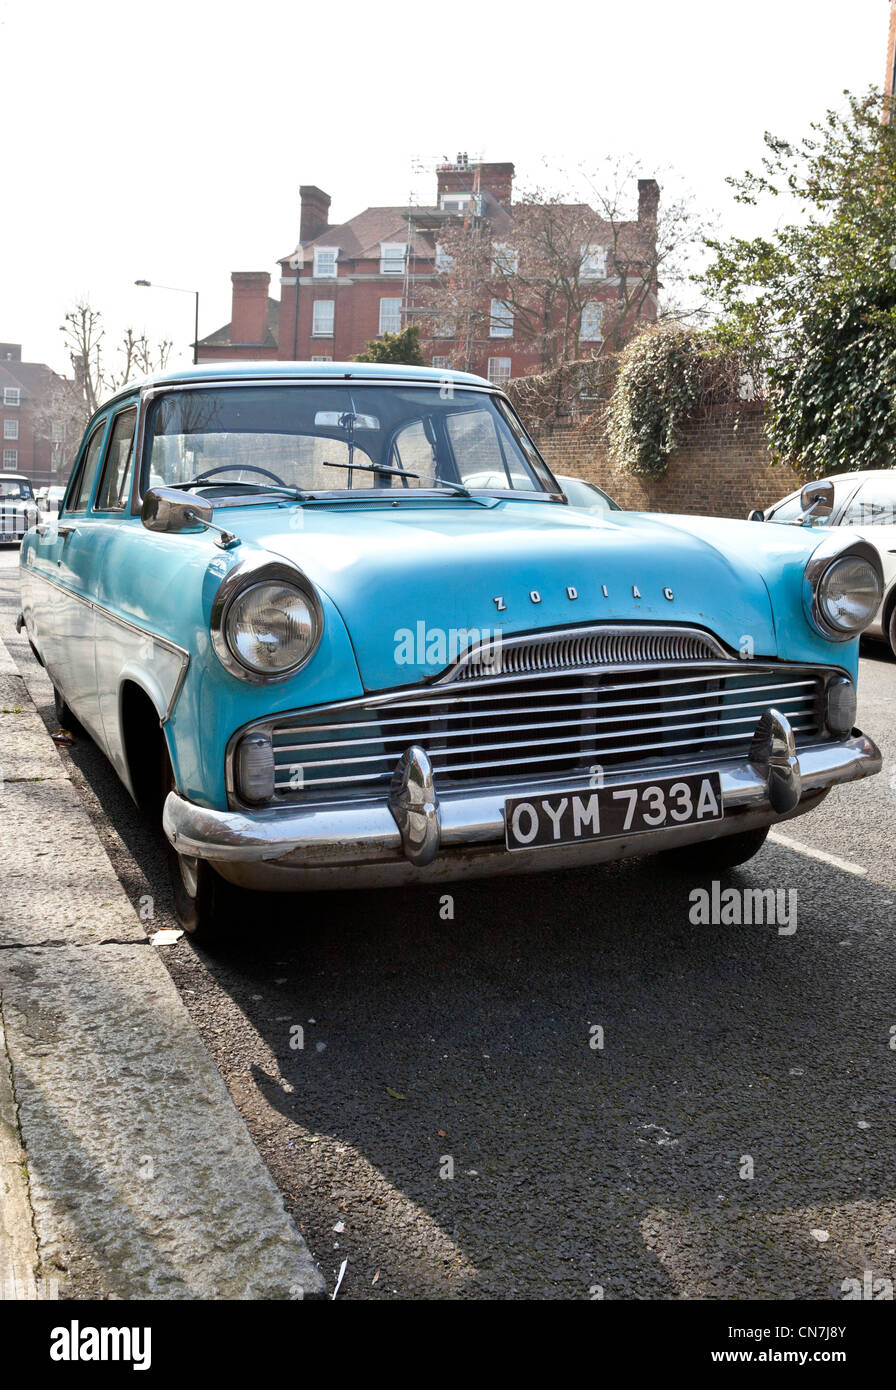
(32, 378)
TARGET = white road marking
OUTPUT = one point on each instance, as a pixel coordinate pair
(845, 864)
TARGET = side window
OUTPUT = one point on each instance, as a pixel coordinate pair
(114, 485)
(479, 453)
(83, 485)
(873, 505)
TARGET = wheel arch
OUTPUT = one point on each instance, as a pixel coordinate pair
(141, 721)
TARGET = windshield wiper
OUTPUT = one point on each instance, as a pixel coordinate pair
(373, 468)
(459, 488)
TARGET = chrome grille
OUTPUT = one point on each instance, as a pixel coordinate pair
(549, 725)
(626, 645)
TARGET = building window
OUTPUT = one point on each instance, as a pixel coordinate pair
(594, 262)
(499, 369)
(10, 458)
(505, 260)
(455, 202)
(322, 359)
(591, 327)
(443, 260)
(501, 320)
(440, 361)
(12, 395)
(10, 429)
(392, 257)
(58, 435)
(390, 316)
(325, 262)
(322, 320)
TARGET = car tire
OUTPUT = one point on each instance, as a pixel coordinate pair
(64, 716)
(208, 908)
(891, 630)
(717, 856)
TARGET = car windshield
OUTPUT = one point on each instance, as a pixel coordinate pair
(353, 438)
(15, 487)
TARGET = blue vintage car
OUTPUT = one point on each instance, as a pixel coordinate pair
(338, 625)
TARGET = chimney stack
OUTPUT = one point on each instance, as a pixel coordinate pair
(249, 314)
(315, 212)
(648, 200)
(496, 179)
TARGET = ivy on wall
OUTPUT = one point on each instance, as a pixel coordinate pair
(665, 377)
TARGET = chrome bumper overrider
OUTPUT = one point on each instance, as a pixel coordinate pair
(418, 836)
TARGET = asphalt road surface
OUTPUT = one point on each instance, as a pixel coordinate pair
(435, 1097)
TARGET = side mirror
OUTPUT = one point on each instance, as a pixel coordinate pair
(169, 509)
(817, 499)
(756, 515)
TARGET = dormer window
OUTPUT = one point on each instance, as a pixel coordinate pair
(325, 262)
(594, 262)
(393, 255)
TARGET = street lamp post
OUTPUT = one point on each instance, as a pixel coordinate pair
(148, 284)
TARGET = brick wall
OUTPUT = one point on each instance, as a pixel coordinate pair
(722, 468)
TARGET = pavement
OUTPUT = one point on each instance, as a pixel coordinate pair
(419, 1069)
(126, 1171)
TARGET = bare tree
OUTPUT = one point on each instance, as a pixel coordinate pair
(578, 279)
(94, 377)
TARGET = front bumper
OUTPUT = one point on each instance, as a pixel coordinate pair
(369, 844)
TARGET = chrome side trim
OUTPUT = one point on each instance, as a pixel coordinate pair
(180, 652)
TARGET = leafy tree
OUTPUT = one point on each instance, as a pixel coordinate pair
(403, 347)
(814, 304)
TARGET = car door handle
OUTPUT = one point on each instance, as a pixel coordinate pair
(64, 529)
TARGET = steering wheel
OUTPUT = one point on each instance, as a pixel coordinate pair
(240, 468)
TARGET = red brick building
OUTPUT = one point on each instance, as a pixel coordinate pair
(31, 443)
(890, 75)
(348, 283)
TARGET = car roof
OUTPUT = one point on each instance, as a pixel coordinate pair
(206, 373)
(15, 477)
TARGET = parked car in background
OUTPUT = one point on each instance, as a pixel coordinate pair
(49, 499)
(865, 503)
(337, 624)
(587, 496)
(18, 509)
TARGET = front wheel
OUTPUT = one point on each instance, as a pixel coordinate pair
(207, 907)
(891, 630)
(716, 856)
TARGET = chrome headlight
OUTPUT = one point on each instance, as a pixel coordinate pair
(266, 621)
(844, 587)
(849, 594)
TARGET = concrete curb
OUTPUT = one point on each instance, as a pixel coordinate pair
(125, 1169)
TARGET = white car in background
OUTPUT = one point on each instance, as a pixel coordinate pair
(866, 503)
(18, 507)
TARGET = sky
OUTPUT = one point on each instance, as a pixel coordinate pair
(168, 141)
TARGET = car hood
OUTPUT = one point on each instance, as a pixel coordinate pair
(416, 583)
